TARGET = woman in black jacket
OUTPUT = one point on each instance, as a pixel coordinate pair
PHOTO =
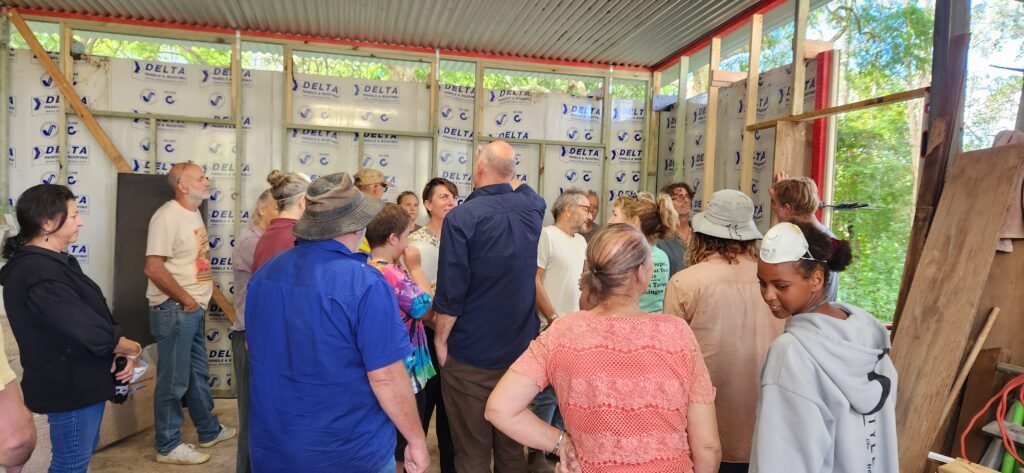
(67, 336)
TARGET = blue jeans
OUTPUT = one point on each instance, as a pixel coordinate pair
(73, 437)
(545, 406)
(182, 371)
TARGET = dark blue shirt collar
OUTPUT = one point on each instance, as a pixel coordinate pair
(493, 189)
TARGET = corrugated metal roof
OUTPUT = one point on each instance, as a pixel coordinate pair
(620, 32)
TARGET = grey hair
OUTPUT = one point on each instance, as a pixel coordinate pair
(569, 198)
(287, 188)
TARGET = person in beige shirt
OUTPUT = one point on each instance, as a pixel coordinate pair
(720, 297)
(17, 431)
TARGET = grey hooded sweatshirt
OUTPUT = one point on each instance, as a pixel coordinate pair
(828, 398)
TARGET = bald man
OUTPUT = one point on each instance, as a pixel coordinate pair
(486, 303)
(179, 290)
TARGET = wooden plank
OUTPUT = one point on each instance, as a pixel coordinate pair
(680, 113)
(942, 133)
(850, 107)
(943, 302)
(711, 124)
(968, 365)
(982, 383)
(796, 102)
(70, 96)
(727, 78)
(793, 149)
(286, 106)
(814, 47)
(750, 114)
(1005, 279)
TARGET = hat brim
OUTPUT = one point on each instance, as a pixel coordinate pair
(743, 232)
(361, 216)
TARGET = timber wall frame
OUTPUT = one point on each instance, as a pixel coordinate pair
(69, 23)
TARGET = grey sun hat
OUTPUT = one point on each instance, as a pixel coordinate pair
(730, 215)
(334, 207)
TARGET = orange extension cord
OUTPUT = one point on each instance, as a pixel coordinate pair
(1003, 397)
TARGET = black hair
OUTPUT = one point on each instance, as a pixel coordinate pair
(35, 206)
(830, 254)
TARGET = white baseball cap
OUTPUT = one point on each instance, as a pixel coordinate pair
(785, 243)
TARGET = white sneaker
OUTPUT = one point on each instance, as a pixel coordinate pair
(226, 433)
(183, 454)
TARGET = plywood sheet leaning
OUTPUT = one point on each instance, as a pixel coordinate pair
(943, 301)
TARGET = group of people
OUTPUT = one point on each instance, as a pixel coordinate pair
(661, 341)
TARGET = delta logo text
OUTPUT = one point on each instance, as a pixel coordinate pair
(80, 252)
(315, 137)
(377, 93)
(82, 202)
(628, 114)
(700, 114)
(509, 97)
(627, 155)
(159, 72)
(146, 167)
(616, 193)
(222, 76)
(458, 92)
(457, 177)
(380, 140)
(581, 113)
(316, 89)
(581, 155)
(50, 154)
(45, 104)
(455, 134)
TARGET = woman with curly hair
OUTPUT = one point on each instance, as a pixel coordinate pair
(719, 296)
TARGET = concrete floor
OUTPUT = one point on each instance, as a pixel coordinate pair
(136, 453)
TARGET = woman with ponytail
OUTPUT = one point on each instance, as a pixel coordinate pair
(656, 219)
(828, 388)
(289, 190)
(632, 386)
(68, 338)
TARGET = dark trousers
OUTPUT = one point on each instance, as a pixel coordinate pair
(427, 401)
(466, 390)
(733, 467)
(240, 360)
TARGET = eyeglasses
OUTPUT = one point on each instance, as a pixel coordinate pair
(581, 206)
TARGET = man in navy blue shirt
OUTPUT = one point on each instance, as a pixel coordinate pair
(328, 384)
(485, 303)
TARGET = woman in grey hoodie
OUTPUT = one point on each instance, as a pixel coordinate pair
(828, 387)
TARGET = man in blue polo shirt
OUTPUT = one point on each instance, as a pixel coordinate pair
(328, 384)
(485, 303)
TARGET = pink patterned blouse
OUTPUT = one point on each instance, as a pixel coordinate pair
(623, 386)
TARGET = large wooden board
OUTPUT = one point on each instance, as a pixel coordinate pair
(943, 301)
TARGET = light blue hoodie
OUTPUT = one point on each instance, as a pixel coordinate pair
(828, 398)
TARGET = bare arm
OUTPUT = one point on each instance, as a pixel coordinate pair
(17, 431)
(508, 409)
(702, 435)
(411, 258)
(391, 387)
(158, 273)
(443, 324)
(543, 303)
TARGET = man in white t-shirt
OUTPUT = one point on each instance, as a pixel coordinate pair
(561, 252)
(179, 290)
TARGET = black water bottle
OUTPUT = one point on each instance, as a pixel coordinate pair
(120, 387)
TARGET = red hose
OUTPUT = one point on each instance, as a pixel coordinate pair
(1002, 396)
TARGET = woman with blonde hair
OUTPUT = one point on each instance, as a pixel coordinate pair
(795, 199)
(656, 219)
(632, 386)
(289, 191)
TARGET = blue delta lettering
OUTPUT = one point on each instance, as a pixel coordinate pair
(319, 87)
(453, 132)
(380, 90)
(626, 153)
(628, 114)
(671, 123)
(458, 89)
(456, 176)
(220, 353)
(224, 214)
(582, 112)
(670, 166)
(164, 69)
(700, 114)
(697, 160)
(516, 135)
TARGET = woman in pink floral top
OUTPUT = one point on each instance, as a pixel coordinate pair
(633, 387)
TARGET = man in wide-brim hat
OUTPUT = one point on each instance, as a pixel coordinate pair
(326, 346)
